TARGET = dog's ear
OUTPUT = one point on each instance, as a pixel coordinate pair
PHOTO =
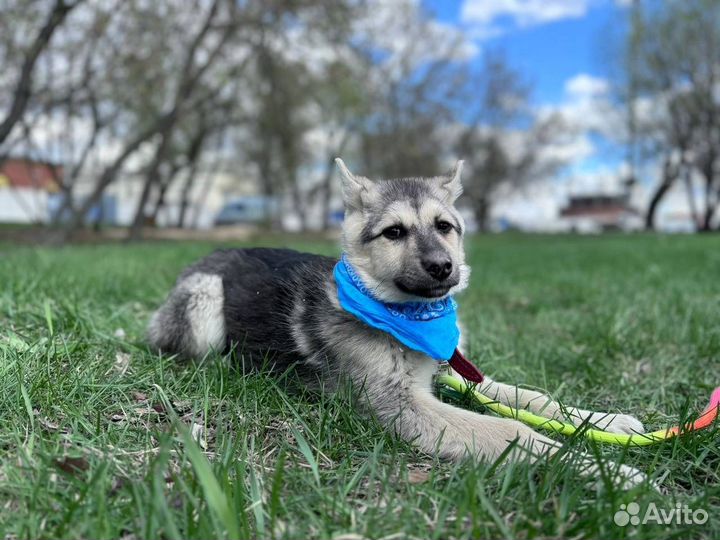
(451, 184)
(356, 190)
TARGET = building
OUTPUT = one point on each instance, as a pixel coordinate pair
(26, 187)
(30, 193)
(595, 213)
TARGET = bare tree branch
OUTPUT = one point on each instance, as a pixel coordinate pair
(23, 89)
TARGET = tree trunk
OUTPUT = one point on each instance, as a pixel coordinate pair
(151, 178)
(687, 180)
(164, 186)
(654, 203)
(135, 232)
(708, 219)
(709, 214)
(185, 195)
(482, 214)
(708, 172)
(268, 188)
(670, 174)
(211, 178)
(300, 204)
(193, 155)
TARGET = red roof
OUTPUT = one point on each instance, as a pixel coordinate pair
(27, 173)
(597, 205)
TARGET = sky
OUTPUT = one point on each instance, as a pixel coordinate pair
(550, 41)
(568, 51)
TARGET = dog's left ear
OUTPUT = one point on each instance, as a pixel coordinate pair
(357, 190)
(450, 183)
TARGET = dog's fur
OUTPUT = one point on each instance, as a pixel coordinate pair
(279, 308)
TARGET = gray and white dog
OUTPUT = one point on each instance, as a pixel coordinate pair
(279, 308)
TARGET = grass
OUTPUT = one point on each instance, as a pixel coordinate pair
(102, 439)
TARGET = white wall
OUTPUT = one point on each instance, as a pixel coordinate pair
(21, 205)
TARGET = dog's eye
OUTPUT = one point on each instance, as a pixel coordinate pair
(443, 226)
(396, 232)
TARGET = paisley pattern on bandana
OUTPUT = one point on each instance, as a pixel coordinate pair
(429, 327)
(422, 311)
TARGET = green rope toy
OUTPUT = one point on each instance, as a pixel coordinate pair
(707, 417)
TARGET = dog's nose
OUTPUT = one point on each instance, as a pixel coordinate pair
(439, 268)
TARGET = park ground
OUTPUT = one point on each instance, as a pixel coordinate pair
(101, 438)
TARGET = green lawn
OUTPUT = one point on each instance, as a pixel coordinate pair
(96, 436)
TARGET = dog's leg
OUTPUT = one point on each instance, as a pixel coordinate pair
(399, 393)
(543, 405)
(436, 427)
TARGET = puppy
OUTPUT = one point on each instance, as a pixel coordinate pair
(381, 317)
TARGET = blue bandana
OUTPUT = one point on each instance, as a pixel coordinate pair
(429, 327)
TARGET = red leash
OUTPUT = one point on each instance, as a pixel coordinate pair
(465, 367)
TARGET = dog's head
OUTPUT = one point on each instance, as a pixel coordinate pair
(404, 236)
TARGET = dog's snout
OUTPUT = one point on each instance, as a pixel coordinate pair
(438, 267)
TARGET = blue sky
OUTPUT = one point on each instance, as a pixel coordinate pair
(549, 52)
(565, 49)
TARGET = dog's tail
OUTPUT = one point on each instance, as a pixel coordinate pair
(191, 322)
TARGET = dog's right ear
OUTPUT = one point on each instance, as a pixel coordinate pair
(451, 183)
(356, 190)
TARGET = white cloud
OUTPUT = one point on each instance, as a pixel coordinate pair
(536, 207)
(604, 181)
(569, 149)
(399, 28)
(588, 108)
(585, 109)
(522, 13)
(564, 148)
(584, 85)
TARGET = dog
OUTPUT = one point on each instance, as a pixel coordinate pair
(278, 308)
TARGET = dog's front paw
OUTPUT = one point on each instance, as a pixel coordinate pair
(614, 423)
(621, 476)
(622, 423)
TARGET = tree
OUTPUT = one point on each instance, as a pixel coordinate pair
(293, 91)
(411, 85)
(219, 58)
(503, 141)
(342, 106)
(673, 58)
(279, 127)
